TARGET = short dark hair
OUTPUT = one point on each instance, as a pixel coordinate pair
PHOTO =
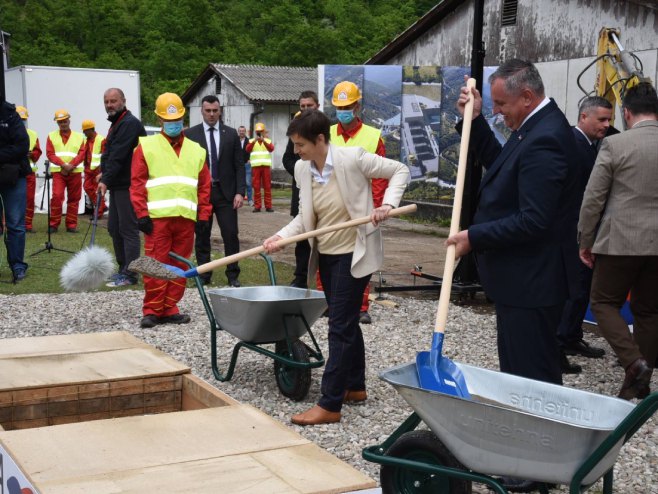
(641, 99)
(309, 94)
(209, 98)
(593, 102)
(309, 125)
(517, 75)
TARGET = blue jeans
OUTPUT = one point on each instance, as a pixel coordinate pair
(346, 365)
(250, 190)
(14, 198)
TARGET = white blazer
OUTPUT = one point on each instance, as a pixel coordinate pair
(353, 170)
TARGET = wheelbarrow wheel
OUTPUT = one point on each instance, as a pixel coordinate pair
(424, 447)
(293, 382)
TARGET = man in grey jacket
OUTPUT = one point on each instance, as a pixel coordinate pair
(618, 238)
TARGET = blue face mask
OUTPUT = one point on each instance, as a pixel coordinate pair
(173, 129)
(345, 116)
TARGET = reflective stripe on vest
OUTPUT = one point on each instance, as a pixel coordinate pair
(66, 152)
(33, 143)
(260, 156)
(96, 152)
(367, 138)
(172, 183)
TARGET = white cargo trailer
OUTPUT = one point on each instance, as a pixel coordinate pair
(43, 90)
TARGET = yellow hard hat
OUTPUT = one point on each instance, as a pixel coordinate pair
(260, 127)
(22, 111)
(345, 93)
(88, 124)
(169, 106)
(61, 115)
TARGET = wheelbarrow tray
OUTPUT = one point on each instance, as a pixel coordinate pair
(263, 314)
(515, 426)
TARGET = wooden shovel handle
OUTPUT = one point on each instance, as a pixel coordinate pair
(209, 266)
(449, 267)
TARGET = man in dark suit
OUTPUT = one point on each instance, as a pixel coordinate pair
(226, 162)
(594, 115)
(526, 199)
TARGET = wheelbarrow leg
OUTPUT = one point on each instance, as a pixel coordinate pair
(607, 482)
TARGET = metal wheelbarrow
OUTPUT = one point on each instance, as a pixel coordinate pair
(263, 315)
(511, 426)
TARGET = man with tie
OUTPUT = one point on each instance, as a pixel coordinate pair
(226, 162)
(521, 234)
(594, 115)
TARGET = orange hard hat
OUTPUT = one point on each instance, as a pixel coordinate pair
(345, 93)
(61, 115)
(88, 124)
(22, 111)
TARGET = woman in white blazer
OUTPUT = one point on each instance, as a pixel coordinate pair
(335, 186)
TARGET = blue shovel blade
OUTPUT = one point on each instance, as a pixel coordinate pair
(439, 373)
(190, 273)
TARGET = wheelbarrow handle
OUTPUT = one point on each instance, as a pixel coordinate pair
(209, 266)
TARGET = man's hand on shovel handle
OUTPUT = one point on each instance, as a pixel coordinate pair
(461, 243)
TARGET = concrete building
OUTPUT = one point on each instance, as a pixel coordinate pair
(559, 35)
(253, 93)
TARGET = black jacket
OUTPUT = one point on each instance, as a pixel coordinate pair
(121, 140)
(289, 160)
(14, 143)
(231, 158)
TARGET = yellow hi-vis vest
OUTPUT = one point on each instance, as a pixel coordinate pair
(173, 180)
(66, 152)
(96, 152)
(367, 138)
(260, 156)
(33, 142)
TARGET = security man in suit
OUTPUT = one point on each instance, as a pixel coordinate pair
(618, 238)
(226, 162)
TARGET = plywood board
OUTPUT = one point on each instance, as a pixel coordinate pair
(227, 449)
(39, 371)
(67, 344)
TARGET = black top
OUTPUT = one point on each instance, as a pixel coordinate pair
(14, 141)
(121, 140)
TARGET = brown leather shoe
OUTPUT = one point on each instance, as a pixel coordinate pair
(315, 416)
(355, 396)
(638, 376)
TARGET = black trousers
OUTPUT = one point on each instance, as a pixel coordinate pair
(302, 255)
(122, 226)
(527, 342)
(227, 219)
(571, 324)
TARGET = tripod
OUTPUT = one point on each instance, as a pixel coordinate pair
(49, 245)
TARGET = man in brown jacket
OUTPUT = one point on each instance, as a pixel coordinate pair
(618, 238)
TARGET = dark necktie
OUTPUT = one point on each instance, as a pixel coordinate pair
(213, 154)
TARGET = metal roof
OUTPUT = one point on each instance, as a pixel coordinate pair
(273, 84)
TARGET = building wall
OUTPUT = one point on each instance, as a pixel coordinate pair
(237, 110)
(546, 30)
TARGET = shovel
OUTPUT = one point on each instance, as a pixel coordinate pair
(155, 269)
(436, 372)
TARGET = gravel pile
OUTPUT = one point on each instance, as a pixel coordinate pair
(395, 337)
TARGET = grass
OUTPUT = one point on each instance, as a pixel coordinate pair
(43, 271)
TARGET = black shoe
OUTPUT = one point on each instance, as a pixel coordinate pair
(205, 280)
(52, 229)
(19, 274)
(513, 484)
(149, 321)
(269, 210)
(234, 283)
(298, 284)
(72, 230)
(175, 319)
(581, 347)
(567, 367)
(364, 318)
(255, 210)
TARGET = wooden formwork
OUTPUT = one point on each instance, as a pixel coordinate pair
(107, 413)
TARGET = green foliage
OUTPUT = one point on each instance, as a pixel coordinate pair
(170, 43)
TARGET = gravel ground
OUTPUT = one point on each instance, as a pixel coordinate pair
(395, 337)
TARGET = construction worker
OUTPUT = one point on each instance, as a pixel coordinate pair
(351, 131)
(169, 190)
(66, 152)
(260, 149)
(94, 144)
(31, 180)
